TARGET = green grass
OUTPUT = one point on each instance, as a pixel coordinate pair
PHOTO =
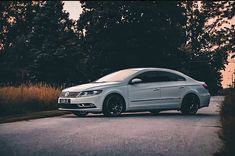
(28, 98)
(227, 133)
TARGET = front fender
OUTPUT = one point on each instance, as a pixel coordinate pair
(120, 90)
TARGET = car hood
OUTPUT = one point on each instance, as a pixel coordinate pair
(91, 86)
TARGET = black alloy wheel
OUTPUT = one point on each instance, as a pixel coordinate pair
(190, 104)
(113, 105)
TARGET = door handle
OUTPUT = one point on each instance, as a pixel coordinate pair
(156, 89)
(181, 87)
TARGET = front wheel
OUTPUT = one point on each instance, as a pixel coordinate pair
(80, 114)
(190, 104)
(113, 105)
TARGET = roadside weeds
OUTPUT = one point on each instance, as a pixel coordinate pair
(227, 133)
(28, 98)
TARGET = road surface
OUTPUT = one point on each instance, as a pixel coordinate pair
(133, 134)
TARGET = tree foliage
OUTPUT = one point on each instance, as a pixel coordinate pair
(188, 36)
(210, 39)
(119, 35)
(40, 42)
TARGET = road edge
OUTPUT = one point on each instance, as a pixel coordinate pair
(30, 116)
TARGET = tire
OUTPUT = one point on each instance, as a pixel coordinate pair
(113, 105)
(190, 104)
(80, 114)
(155, 112)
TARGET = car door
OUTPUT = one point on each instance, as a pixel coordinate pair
(172, 88)
(146, 94)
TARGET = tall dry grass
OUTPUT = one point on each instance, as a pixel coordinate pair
(28, 98)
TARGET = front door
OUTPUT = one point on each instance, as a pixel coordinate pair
(146, 94)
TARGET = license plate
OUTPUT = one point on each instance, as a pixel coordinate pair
(65, 101)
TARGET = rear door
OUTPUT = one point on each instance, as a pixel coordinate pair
(172, 87)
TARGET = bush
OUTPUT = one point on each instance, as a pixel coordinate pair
(27, 98)
(228, 106)
(227, 133)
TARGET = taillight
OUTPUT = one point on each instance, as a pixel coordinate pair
(205, 86)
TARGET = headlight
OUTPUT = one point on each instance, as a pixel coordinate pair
(90, 93)
(69, 94)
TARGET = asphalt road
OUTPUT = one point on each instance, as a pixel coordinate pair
(133, 134)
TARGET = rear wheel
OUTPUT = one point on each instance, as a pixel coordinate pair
(80, 114)
(114, 105)
(190, 104)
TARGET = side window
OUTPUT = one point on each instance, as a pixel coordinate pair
(159, 76)
(166, 77)
(180, 78)
(147, 77)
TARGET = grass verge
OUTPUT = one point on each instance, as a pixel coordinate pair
(26, 99)
(227, 134)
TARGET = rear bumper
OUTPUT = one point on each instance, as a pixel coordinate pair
(205, 100)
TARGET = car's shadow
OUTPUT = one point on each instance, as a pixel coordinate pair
(148, 115)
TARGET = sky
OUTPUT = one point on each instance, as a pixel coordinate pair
(74, 9)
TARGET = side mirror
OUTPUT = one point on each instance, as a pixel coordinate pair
(135, 81)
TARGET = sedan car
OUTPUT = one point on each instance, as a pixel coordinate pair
(136, 89)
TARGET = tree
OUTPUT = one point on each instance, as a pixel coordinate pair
(210, 39)
(40, 40)
(53, 44)
(118, 35)
(13, 39)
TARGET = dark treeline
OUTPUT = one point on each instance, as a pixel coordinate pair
(39, 43)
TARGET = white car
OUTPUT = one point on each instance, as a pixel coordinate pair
(136, 89)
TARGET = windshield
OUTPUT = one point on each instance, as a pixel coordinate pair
(117, 76)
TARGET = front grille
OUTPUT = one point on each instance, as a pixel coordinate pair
(69, 94)
(68, 106)
(76, 106)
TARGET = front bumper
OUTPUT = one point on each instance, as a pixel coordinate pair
(83, 104)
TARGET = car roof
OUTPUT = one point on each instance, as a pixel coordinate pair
(159, 69)
(151, 69)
